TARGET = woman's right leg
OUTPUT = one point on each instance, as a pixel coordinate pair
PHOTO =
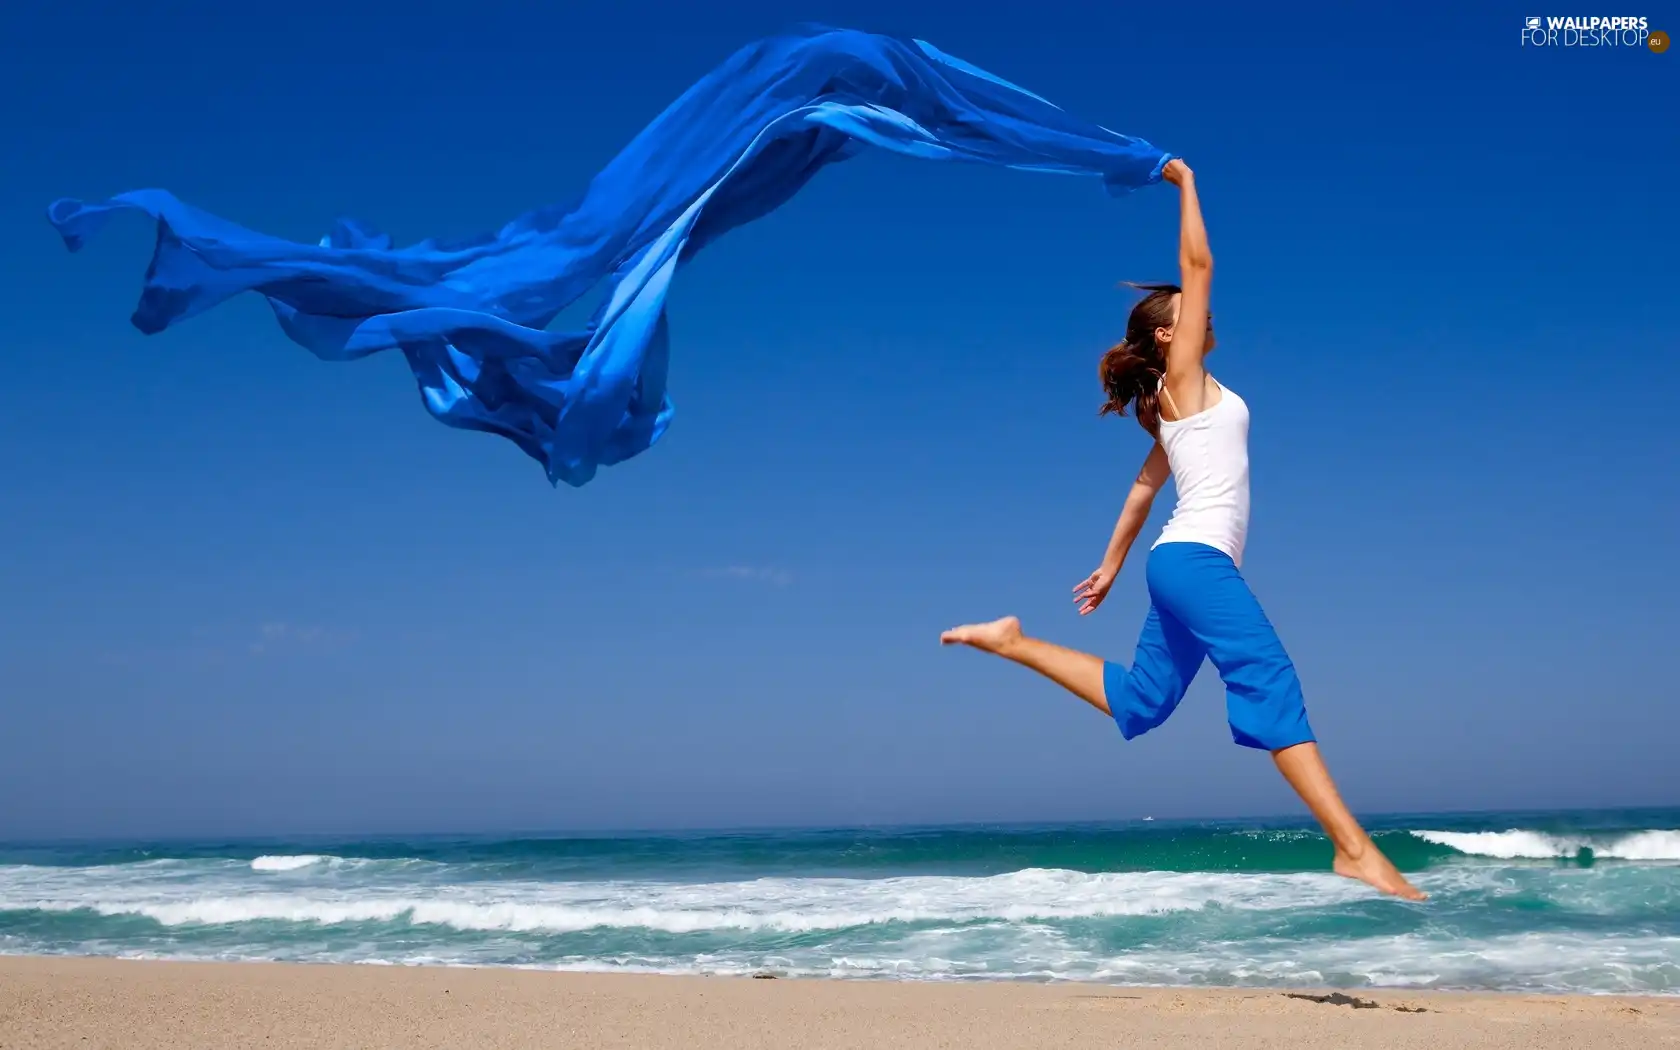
(1203, 589)
(1357, 857)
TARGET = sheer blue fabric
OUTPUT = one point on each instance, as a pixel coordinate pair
(471, 317)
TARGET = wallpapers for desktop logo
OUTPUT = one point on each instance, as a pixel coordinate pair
(1595, 31)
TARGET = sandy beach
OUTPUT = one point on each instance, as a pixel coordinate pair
(123, 1005)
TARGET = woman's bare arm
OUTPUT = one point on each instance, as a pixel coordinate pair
(1094, 588)
(1186, 379)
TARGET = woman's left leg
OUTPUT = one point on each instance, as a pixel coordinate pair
(1138, 698)
(1079, 673)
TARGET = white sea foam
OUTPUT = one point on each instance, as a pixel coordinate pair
(1507, 845)
(289, 863)
(1534, 845)
(785, 905)
(1265, 929)
(1644, 845)
(1536, 962)
(1533, 962)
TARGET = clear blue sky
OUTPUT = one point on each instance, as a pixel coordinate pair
(245, 591)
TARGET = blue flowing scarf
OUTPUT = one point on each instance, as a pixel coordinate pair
(471, 317)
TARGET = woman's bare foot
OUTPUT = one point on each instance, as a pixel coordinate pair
(991, 637)
(1079, 673)
(1376, 870)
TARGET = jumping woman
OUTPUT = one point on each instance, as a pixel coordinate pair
(1200, 607)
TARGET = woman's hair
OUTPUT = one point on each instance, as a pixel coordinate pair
(1133, 368)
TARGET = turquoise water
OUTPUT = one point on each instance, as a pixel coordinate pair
(1557, 902)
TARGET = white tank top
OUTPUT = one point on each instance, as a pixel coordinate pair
(1208, 453)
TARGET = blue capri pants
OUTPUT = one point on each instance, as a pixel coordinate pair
(1200, 608)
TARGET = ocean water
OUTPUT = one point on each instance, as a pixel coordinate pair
(1553, 902)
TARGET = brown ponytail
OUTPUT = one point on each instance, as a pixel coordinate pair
(1132, 369)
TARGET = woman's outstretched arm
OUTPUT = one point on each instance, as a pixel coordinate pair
(1091, 591)
(1185, 377)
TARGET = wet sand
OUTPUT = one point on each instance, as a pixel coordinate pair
(94, 1004)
